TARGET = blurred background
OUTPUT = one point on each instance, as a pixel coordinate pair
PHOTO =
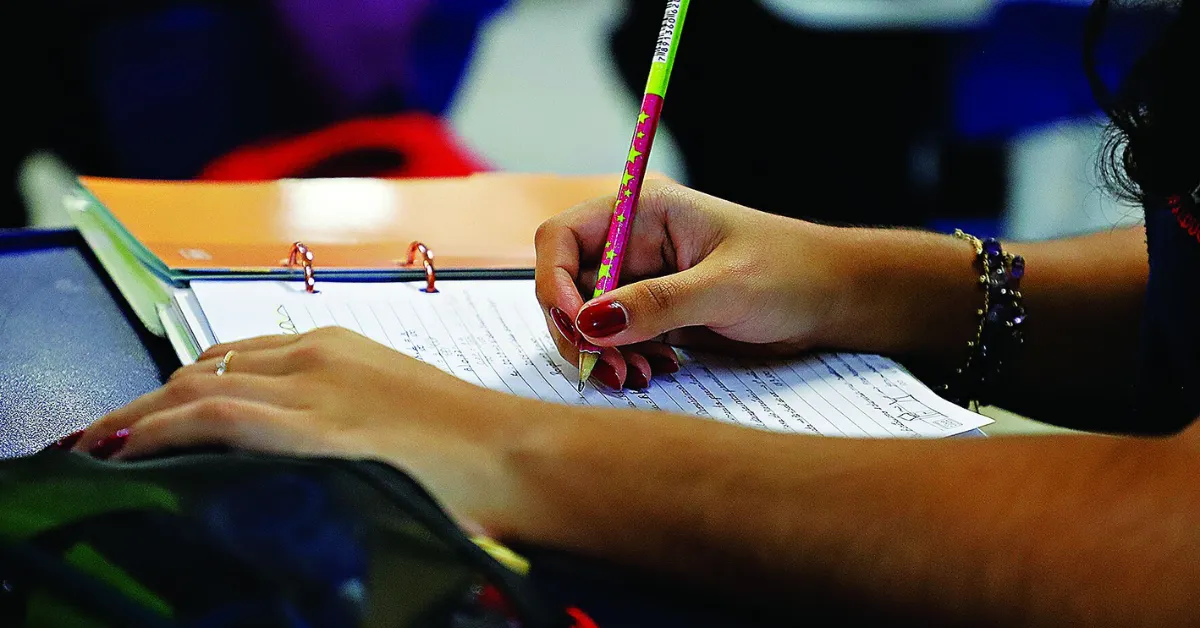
(930, 113)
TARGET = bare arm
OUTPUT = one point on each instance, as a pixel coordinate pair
(772, 286)
(911, 294)
(1036, 531)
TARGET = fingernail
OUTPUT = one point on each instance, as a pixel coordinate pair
(564, 325)
(663, 365)
(108, 446)
(68, 441)
(635, 379)
(607, 375)
(603, 320)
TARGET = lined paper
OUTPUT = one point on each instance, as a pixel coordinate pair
(493, 334)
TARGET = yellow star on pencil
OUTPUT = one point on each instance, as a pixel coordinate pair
(640, 135)
(628, 192)
(642, 117)
(610, 256)
(604, 271)
(626, 178)
(634, 154)
(621, 218)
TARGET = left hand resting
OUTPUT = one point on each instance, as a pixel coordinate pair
(333, 392)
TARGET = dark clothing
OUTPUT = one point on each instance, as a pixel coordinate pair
(1169, 387)
(856, 123)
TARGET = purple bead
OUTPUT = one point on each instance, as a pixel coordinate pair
(1018, 267)
(1018, 320)
(992, 247)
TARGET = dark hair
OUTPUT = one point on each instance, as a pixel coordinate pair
(1152, 148)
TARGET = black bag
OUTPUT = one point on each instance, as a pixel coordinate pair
(238, 539)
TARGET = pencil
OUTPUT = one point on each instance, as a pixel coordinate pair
(635, 168)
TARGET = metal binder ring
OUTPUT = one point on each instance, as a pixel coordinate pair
(303, 255)
(223, 365)
(427, 260)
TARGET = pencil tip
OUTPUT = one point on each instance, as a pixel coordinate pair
(587, 362)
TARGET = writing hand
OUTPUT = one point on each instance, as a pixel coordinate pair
(699, 272)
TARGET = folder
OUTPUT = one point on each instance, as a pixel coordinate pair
(156, 236)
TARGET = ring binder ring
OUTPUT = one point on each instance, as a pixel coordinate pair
(303, 255)
(427, 260)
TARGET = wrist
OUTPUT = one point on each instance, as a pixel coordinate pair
(535, 435)
(599, 480)
(903, 293)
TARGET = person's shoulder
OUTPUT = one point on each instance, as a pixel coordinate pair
(1173, 235)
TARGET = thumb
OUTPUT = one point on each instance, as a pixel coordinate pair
(647, 309)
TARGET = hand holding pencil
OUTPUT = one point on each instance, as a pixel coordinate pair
(629, 193)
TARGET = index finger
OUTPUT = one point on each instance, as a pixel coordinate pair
(560, 243)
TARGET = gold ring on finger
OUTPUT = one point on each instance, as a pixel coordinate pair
(223, 365)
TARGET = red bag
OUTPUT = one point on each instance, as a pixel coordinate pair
(410, 145)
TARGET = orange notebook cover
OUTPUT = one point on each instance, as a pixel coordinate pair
(193, 229)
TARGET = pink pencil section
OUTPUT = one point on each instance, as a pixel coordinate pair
(628, 194)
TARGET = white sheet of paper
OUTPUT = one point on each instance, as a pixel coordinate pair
(493, 333)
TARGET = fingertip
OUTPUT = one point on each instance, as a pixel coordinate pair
(663, 366)
(90, 435)
(67, 442)
(610, 369)
(109, 446)
(565, 326)
(601, 320)
(606, 374)
(568, 351)
(142, 440)
(661, 357)
(639, 371)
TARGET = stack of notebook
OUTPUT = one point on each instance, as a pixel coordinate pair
(153, 236)
(203, 263)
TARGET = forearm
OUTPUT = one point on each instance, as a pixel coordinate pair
(1034, 531)
(913, 295)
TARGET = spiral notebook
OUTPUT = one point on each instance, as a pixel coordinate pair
(492, 333)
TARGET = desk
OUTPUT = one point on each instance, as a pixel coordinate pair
(70, 350)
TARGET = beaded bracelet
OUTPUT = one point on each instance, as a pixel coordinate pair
(1000, 333)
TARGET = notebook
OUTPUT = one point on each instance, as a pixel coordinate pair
(492, 333)
(154, 236)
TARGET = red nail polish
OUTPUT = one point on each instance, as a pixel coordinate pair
(607, 375)
(68, 441)
(637, 380)
(108, 446)
(603, 320)
(662, 365)
(564, 325)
